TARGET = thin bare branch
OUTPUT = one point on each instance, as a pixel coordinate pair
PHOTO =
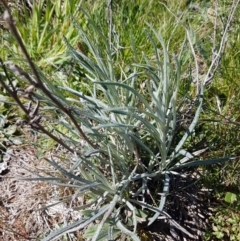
(40, 85)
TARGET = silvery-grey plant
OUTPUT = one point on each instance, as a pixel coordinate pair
(121, 139)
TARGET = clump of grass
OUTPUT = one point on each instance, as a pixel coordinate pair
(44, 23)
(121, 138)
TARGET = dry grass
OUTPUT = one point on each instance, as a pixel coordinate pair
(21, 216)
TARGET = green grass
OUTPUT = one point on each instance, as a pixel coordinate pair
(219, 124)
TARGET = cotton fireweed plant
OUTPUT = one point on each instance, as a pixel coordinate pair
(120, 139)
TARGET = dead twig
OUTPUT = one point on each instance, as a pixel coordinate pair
(39, 83)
